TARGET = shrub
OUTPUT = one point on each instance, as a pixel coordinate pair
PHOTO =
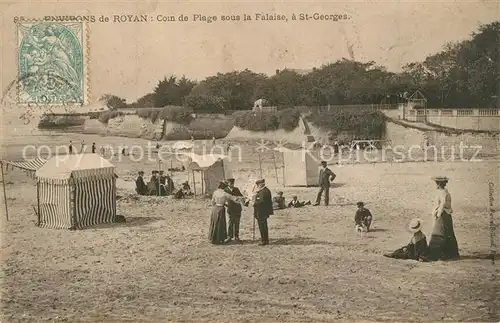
(177, 114)
(170, 113)
(105, 116)
(149, 113)
(56, 122)
(361, 122)
(287, 119)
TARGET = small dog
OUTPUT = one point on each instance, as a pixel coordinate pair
(361, 230)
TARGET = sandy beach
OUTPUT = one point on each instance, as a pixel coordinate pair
(160, 266)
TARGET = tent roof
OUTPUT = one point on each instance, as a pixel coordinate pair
(29, 165)
(203, 161)
(178, 145)
(81, 165)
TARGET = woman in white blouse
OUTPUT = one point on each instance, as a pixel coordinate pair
(218, 230)
(443, 243)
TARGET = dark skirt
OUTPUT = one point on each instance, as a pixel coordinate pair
(218, 231)
(443, 244)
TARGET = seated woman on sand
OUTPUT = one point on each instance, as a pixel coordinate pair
(218, 230)
(417, 248)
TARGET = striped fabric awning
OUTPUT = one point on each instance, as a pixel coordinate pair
(30, 166)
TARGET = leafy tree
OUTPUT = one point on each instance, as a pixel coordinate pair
(113, 101)
(172, 91)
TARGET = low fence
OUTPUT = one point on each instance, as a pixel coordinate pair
(466, 119)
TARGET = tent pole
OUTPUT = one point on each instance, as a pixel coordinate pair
(202, 175)
(38, 200)
(260, 166)
(114, 197)
(194, 184)
(4, 195)
(275, 168)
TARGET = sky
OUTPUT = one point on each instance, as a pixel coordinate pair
(127, 59)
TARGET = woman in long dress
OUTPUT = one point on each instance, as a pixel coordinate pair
(218, 229)
(443, 243)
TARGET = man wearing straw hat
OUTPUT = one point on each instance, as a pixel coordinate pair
(263, 208)
(417, 248)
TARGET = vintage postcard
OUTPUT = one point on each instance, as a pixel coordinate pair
(249, 161)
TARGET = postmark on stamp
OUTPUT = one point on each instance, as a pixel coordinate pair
(52, 63)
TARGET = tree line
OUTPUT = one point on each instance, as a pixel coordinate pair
(463, 75)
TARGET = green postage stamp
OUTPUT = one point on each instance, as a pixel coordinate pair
(52, 63)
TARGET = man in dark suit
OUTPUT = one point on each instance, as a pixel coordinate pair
(325, 177)
(140, 186)
(234, 211)
(262, 209)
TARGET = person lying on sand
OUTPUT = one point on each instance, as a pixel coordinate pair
(279, 201)
(296, 203)
(363, 218)
(417, 248)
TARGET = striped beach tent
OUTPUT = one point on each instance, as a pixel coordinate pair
(76, 191)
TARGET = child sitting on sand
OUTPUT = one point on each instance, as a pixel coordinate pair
(363, 218)
(417, 248)
(296, 203)
(279, 202)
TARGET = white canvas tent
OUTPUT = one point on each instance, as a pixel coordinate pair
(182, 145)
(300, 168)
(76, 191)
(212, 168)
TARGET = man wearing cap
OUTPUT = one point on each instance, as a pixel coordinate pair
(325, 177)
(234, 211)
(262, 209)
(140, 186)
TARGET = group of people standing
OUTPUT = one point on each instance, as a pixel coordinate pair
(228, 199)
(83, 147)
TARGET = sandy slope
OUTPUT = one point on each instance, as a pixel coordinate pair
(159, 266)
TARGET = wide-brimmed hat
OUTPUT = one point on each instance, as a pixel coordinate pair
(439, 179)
(260, 181)
(230, 180)
(415, 225)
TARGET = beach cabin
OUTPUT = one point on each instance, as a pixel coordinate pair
(212, 168)
(301, 168)
(76, 191)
